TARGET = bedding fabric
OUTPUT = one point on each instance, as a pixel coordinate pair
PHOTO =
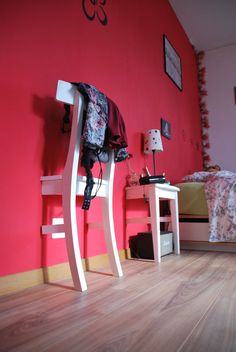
(220, 190)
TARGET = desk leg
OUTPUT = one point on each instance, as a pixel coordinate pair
(175, 223)
(155, 223)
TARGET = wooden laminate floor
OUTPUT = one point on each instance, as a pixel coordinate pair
(186, 303)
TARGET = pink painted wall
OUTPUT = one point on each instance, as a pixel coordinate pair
(43, 41)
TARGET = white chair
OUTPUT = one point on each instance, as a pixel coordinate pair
(69, 185)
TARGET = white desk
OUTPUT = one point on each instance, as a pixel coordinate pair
(154, 193)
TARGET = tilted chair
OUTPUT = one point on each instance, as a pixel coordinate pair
(69, 185)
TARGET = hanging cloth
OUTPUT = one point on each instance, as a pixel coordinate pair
(103, 130)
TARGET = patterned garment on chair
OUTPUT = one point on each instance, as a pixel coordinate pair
(96, 117)
(99, 125)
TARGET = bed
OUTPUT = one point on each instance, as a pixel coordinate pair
(207, 208)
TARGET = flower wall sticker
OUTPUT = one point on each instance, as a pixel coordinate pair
(93, 9)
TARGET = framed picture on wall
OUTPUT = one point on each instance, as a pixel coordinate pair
(172, 63)
(165, 128)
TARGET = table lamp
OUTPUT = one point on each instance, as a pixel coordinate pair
(153, 144)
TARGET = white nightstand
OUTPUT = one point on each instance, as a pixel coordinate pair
(154, 193)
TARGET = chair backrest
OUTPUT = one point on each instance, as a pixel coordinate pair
(65, 92)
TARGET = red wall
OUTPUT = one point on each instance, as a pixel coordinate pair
(43, 41)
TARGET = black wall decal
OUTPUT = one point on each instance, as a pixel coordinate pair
(95, 8)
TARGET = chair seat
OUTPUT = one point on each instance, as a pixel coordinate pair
(52, 185)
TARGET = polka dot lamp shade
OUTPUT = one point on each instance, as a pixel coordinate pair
(152, 142)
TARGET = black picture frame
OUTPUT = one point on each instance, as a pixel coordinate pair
(172, 63)
(165, 129)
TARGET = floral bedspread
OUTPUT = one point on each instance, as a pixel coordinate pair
(220, 190)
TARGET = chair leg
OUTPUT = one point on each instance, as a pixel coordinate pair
(110, 237)
(72, 241)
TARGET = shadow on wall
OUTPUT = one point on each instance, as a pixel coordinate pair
(55, 142)
(55, 148)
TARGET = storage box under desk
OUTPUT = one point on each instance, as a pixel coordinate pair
(141, 245)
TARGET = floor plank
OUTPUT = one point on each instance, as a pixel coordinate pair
(216, 331)
(155, 307)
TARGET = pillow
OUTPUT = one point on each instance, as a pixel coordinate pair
(203, 176)
(200, 176)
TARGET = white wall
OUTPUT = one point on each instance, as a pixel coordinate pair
(220, 82)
